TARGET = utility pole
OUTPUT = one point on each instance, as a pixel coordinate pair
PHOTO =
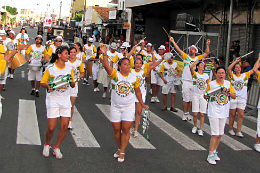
(60, 9)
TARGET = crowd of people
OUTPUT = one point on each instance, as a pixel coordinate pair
(127, 73)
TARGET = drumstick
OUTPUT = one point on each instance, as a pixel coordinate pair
(166, 32)
(246, 54)
(141, 41)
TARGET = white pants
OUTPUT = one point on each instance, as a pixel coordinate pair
(74, 91)
(106, 79)
(168, 88)
(95, 73)
(199, 104)
(58, 112)
(258, 124)
(238, 103)
(34, 75)
(156, 79)
(217, 126)
(126, 113)
(187, 90)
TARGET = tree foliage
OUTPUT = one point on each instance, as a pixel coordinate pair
(78, 17)
(11, 10)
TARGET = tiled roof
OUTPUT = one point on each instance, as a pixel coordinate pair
(103, 12)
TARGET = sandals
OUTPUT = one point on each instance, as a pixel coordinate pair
(116, 155)
(135, 134)
(119, 159)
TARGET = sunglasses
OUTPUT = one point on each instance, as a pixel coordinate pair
(58, 41)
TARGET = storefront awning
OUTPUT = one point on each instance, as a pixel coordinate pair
(135, 3)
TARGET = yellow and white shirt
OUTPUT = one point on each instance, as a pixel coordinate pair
(97, 64)
(147, 56)
(141, 77)
(35, 53)
(169, 71)
(59, 98)
(114, 58)
(80, 56)
(89, 50)
(158, 58)
(258, 79)
(200, 82)
(240, 84)
(78, 68)
(2, 51)
(123, 93)
(2, 66)
(187, 60)
(218, 106)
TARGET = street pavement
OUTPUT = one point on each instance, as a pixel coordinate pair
(90, 146)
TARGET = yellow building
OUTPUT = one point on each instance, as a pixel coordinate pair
(78, 5)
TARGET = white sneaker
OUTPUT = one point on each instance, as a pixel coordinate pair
(46, 150)
(231, 132)
(157, 100)
(11, 76)
(57, 153)
(104, 95)
(189, 117)
(69, 126)
(200, 132)
(257, 147)
(216, 156)
(116, 155)
(184, 117)
(194, 130)
(211, 160)
(97, 89)
(239, 134)
(153, 100)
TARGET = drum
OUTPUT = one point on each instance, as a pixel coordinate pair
(17, 61)
(177, 82)
(35, 67)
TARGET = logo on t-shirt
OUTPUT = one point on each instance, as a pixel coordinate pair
(201, 84)
(37, 54)
(238, 85)
(124, 88)
(171, 72)
(222, 98)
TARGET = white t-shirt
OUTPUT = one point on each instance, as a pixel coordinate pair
(114, 57)
(141, 77)
(219, 104)
(200, 82)
(36, 54)
(240, 84)
(89, 51)
(59, 98)
(187, 60)
(169, 71)
(123, 93)
(97, 64)
(25, 36)
(158, 58)
(53, 48)
(147, 56)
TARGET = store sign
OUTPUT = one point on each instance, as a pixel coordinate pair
(112, 14)
(126, 26)
(47, 22)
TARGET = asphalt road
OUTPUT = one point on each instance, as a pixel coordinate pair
(175, 148)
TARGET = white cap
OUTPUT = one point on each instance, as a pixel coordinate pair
(168, 56)
(125, 45)
(12, 32)
(113, 45)
(149, 44)
(162, 47)
(194, 48)
(58, 37)
(2, 32)
(90, 39)
(38, 36)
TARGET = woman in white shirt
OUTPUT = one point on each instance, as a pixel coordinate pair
(125, 86)
(218, 110)
(58, 102)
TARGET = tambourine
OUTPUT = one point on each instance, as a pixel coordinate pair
(11, 46)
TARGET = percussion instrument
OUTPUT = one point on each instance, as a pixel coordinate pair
(214, 91)
(246, 54)
(61, 82)
(17, 61)
(145, 126)
(35, 67)
(177, 83)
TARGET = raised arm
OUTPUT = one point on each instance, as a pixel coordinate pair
(155, 64)
(180, 52)
(108, 68)
(132, 51)
(230, 67)
(207, 51)
(192, 67)
(256, 66)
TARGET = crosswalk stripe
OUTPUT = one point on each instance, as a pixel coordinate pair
(175, 134)
(245, 129)
(27, 128)
(232, 143)
(138, 143)
(251, 118)
(81, 134)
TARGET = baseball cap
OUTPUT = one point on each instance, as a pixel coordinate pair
(38, 36)
(90, 39)
(149, 44)
(125, 45)
(113, 45)
(162, 47)
(58, 37)
(194, 48)
(12, 32)
(2, 32)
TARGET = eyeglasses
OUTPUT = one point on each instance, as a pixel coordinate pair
(58, 41)
(221, 73)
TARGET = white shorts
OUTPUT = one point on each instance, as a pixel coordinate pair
(143, 97)
(74, 91)
(58, 112)
(187, 90)
(100, 75)
(95, 73)
(238, 103)
(217, 126)
(34, 75)
(199, 104)
(122, 114)
(156, 79)
(258, 124)
(3, 81)
(106, 80)
(168, 88)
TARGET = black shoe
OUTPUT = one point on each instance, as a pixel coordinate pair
(173, 109)
(3, 89)
(164, 108)
(32, 93)
(37, 94)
